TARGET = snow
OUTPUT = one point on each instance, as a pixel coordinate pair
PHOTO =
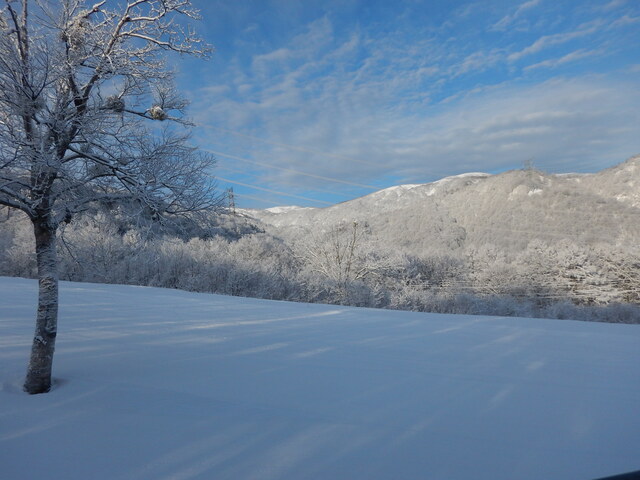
(431, 188)
(398, 189)
(286, 209)
(164, 384)
(435, 186)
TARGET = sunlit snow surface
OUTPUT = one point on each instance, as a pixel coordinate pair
(161, 384)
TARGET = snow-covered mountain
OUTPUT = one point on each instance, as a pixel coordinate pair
(507, 210)
(621, 182)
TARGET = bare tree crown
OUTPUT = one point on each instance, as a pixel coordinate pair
(80, 82)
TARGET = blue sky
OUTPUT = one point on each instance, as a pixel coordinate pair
(316, 102)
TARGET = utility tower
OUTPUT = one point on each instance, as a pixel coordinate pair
(232, 201)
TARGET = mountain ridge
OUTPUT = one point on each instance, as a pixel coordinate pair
(508, 209)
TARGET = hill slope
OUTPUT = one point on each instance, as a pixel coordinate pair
(508, 210)
(158, 384)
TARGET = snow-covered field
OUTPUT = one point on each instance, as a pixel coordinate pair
(162, 384)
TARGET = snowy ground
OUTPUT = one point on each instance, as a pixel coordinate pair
(161, 384)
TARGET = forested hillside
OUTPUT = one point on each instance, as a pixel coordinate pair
(508, 210)
(518, 243)
(522, 233)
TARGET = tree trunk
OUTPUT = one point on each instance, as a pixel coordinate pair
(38, 378)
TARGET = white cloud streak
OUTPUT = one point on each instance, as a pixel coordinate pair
(613, 4)
(547, 41)
(569, 57)
(509, 19)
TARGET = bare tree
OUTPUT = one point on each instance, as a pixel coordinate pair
(80, 88)
(344, 254)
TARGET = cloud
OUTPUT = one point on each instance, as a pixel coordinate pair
(478, 61)
(508, 20)
(563, 123)
(547, 41)
(279, 55)
(613, 4)
(624, 21)
(570, 57)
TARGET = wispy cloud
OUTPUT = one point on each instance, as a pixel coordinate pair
(509, 19)
(613, 4)
(569, 57)
(547, 41)
(477, 62)
(625, 20)
(505, 125)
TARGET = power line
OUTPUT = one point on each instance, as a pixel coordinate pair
(291, 170)
(286, 145)
(275, 192)
(253, 174)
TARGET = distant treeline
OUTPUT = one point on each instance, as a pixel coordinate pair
(344, 264)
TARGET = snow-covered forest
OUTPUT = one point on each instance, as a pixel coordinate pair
(521, 243)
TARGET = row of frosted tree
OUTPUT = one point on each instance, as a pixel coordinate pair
(343, 265)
